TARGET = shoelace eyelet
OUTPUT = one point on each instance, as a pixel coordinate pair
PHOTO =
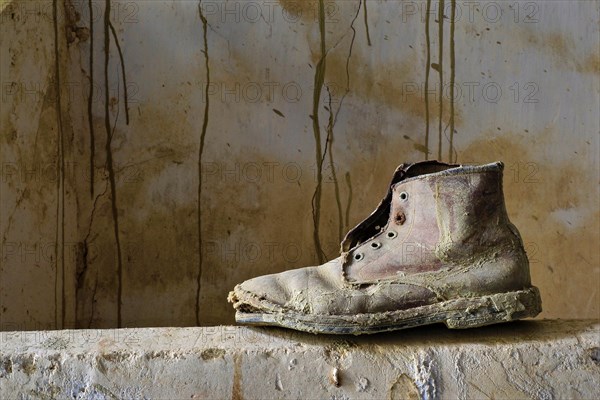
(403, 196)
(400, 218)
(391, 234)
(358, 256)
(375, 245)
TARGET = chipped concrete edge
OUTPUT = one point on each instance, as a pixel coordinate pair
(539, 359)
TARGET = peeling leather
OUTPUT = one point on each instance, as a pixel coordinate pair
(320, 290)
(455, 241)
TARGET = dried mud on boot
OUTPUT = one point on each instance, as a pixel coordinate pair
(439, 248)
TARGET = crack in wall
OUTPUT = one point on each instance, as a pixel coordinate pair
(349, 199)
(329, 150)
(60, 188)
(24, 193)
(81, 272)
(333, 120)
(318, 85)
(364, 4)
(93, 302)
(109, 162)
(348, 63)
(200, 153)
(124, 77)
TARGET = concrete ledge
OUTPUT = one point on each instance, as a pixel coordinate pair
(528, 359)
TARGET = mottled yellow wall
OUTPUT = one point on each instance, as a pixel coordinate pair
(251, 97)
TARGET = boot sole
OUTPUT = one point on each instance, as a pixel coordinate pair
(458, 313)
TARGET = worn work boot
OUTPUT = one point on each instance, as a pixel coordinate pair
(438, 248)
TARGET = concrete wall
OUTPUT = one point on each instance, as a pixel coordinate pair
(168, 226)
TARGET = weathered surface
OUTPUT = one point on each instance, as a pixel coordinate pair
(527, 359)
(438, 248)
(527, 93)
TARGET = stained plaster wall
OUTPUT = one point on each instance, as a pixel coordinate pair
(254, 134)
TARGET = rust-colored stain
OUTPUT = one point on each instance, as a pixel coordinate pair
(591, 64)
(562, 50)
(236, 388)
(554, 41)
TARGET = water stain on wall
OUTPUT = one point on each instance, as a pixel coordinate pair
(109, 131)
(200, 154)
(540, 200)
(90, 100)
(236, 389)
(401, 96)
(591, 64)
(182, 227)
(562, 49)
(319, 156)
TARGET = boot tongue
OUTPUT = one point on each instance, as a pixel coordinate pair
(379, 218)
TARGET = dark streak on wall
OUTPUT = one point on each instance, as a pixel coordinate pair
(440, 70)
(349, 200)
(451, 151)
(366, 21)
(329, 150)
(122, 63)
(109, 162)
(427, 69)
(91, 100)
(84, 266)
(333, 120)
(60, 188)
(318, 85)
(200, 152)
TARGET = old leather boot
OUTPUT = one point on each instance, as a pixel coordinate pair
(438, 248)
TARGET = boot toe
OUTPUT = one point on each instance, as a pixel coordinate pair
(258, 294)
(293, 290)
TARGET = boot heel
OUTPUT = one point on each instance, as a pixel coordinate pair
(496, 308)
